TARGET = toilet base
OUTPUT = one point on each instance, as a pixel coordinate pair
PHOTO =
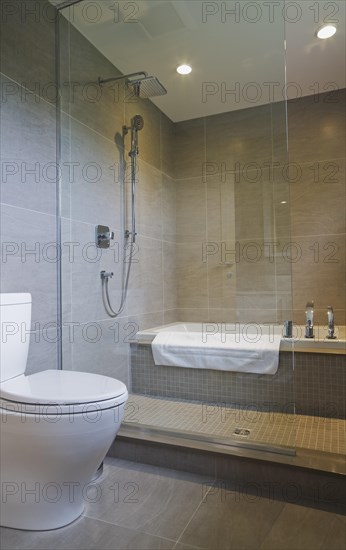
(98, 472)
(47, 467)
(26, 522)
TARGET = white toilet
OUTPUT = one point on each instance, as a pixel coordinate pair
(56, 428)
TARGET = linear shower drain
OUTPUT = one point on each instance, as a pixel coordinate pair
(244, 432)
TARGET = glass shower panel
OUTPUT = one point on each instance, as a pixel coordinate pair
(91, 122)
(248, 223)
(263, 290)
(263, 282)
(232, 168)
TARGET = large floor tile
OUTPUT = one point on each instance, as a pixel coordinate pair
(147, 498)
(231, 520)
(85, 533)
(306, 529)
(144, 507)
(335, 538)
(181, 546)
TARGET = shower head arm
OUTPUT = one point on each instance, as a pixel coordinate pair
(101, 81)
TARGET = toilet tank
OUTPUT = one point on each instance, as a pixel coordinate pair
(15, 321)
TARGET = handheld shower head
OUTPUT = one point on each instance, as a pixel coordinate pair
(137, 123)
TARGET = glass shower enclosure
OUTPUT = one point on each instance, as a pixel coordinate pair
(213, 205)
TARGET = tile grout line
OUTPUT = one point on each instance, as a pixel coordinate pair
(271, 528)
(28, 209)
(193, 515)
(137, 531)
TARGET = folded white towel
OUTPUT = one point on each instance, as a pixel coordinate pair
(228, 352)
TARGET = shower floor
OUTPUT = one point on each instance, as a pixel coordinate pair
(273, 429)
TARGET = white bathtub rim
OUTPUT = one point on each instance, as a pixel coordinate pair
(319, 343)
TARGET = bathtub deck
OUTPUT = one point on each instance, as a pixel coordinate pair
(274, 429)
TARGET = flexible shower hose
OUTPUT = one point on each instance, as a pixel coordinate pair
(105, 277)
(105, 293)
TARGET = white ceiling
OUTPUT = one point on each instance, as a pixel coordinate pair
(157, 35)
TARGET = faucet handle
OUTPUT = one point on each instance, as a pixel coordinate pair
(331, 328)
(309, 320)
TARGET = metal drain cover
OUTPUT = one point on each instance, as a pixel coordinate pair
(244, 432)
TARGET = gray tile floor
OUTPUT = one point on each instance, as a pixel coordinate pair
(137, 506)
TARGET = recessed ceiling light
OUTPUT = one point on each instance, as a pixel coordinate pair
(184, 69)
(283, 202)
(326, 31)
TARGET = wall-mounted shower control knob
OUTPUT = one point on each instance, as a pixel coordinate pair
(103, 236)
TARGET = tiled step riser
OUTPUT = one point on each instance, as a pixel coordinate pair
(255, 478)
(314, 387)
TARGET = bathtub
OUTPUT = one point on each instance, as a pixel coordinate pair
(319, 344)
(309, 381)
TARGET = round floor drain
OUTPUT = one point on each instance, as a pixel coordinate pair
(244, 432)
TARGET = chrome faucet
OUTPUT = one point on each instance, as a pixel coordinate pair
(309, 320)
(331, 328)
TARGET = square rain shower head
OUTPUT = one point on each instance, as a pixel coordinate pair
(147, 87)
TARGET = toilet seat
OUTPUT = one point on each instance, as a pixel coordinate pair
(64, 392)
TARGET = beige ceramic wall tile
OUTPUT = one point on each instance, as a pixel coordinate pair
(149, 201)
(279, 131)
(316, 128)
(146, 282)
(318, 199)
(197, 315)
(255, 267)
(192, 284)
(239, 137)
(282, 203)
(284, 305)
(145, 321)
(220, 208)
(169, 208)
(256, 300)
(169, 276)
(284, 283)
(254, 215)
(256, 316)
(189, 148)
(170, 316)
(222, 315)
(320, 273)
(222, 281)
(191, 210)
(167, 144)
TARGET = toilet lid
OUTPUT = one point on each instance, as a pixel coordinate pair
(61, 388)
